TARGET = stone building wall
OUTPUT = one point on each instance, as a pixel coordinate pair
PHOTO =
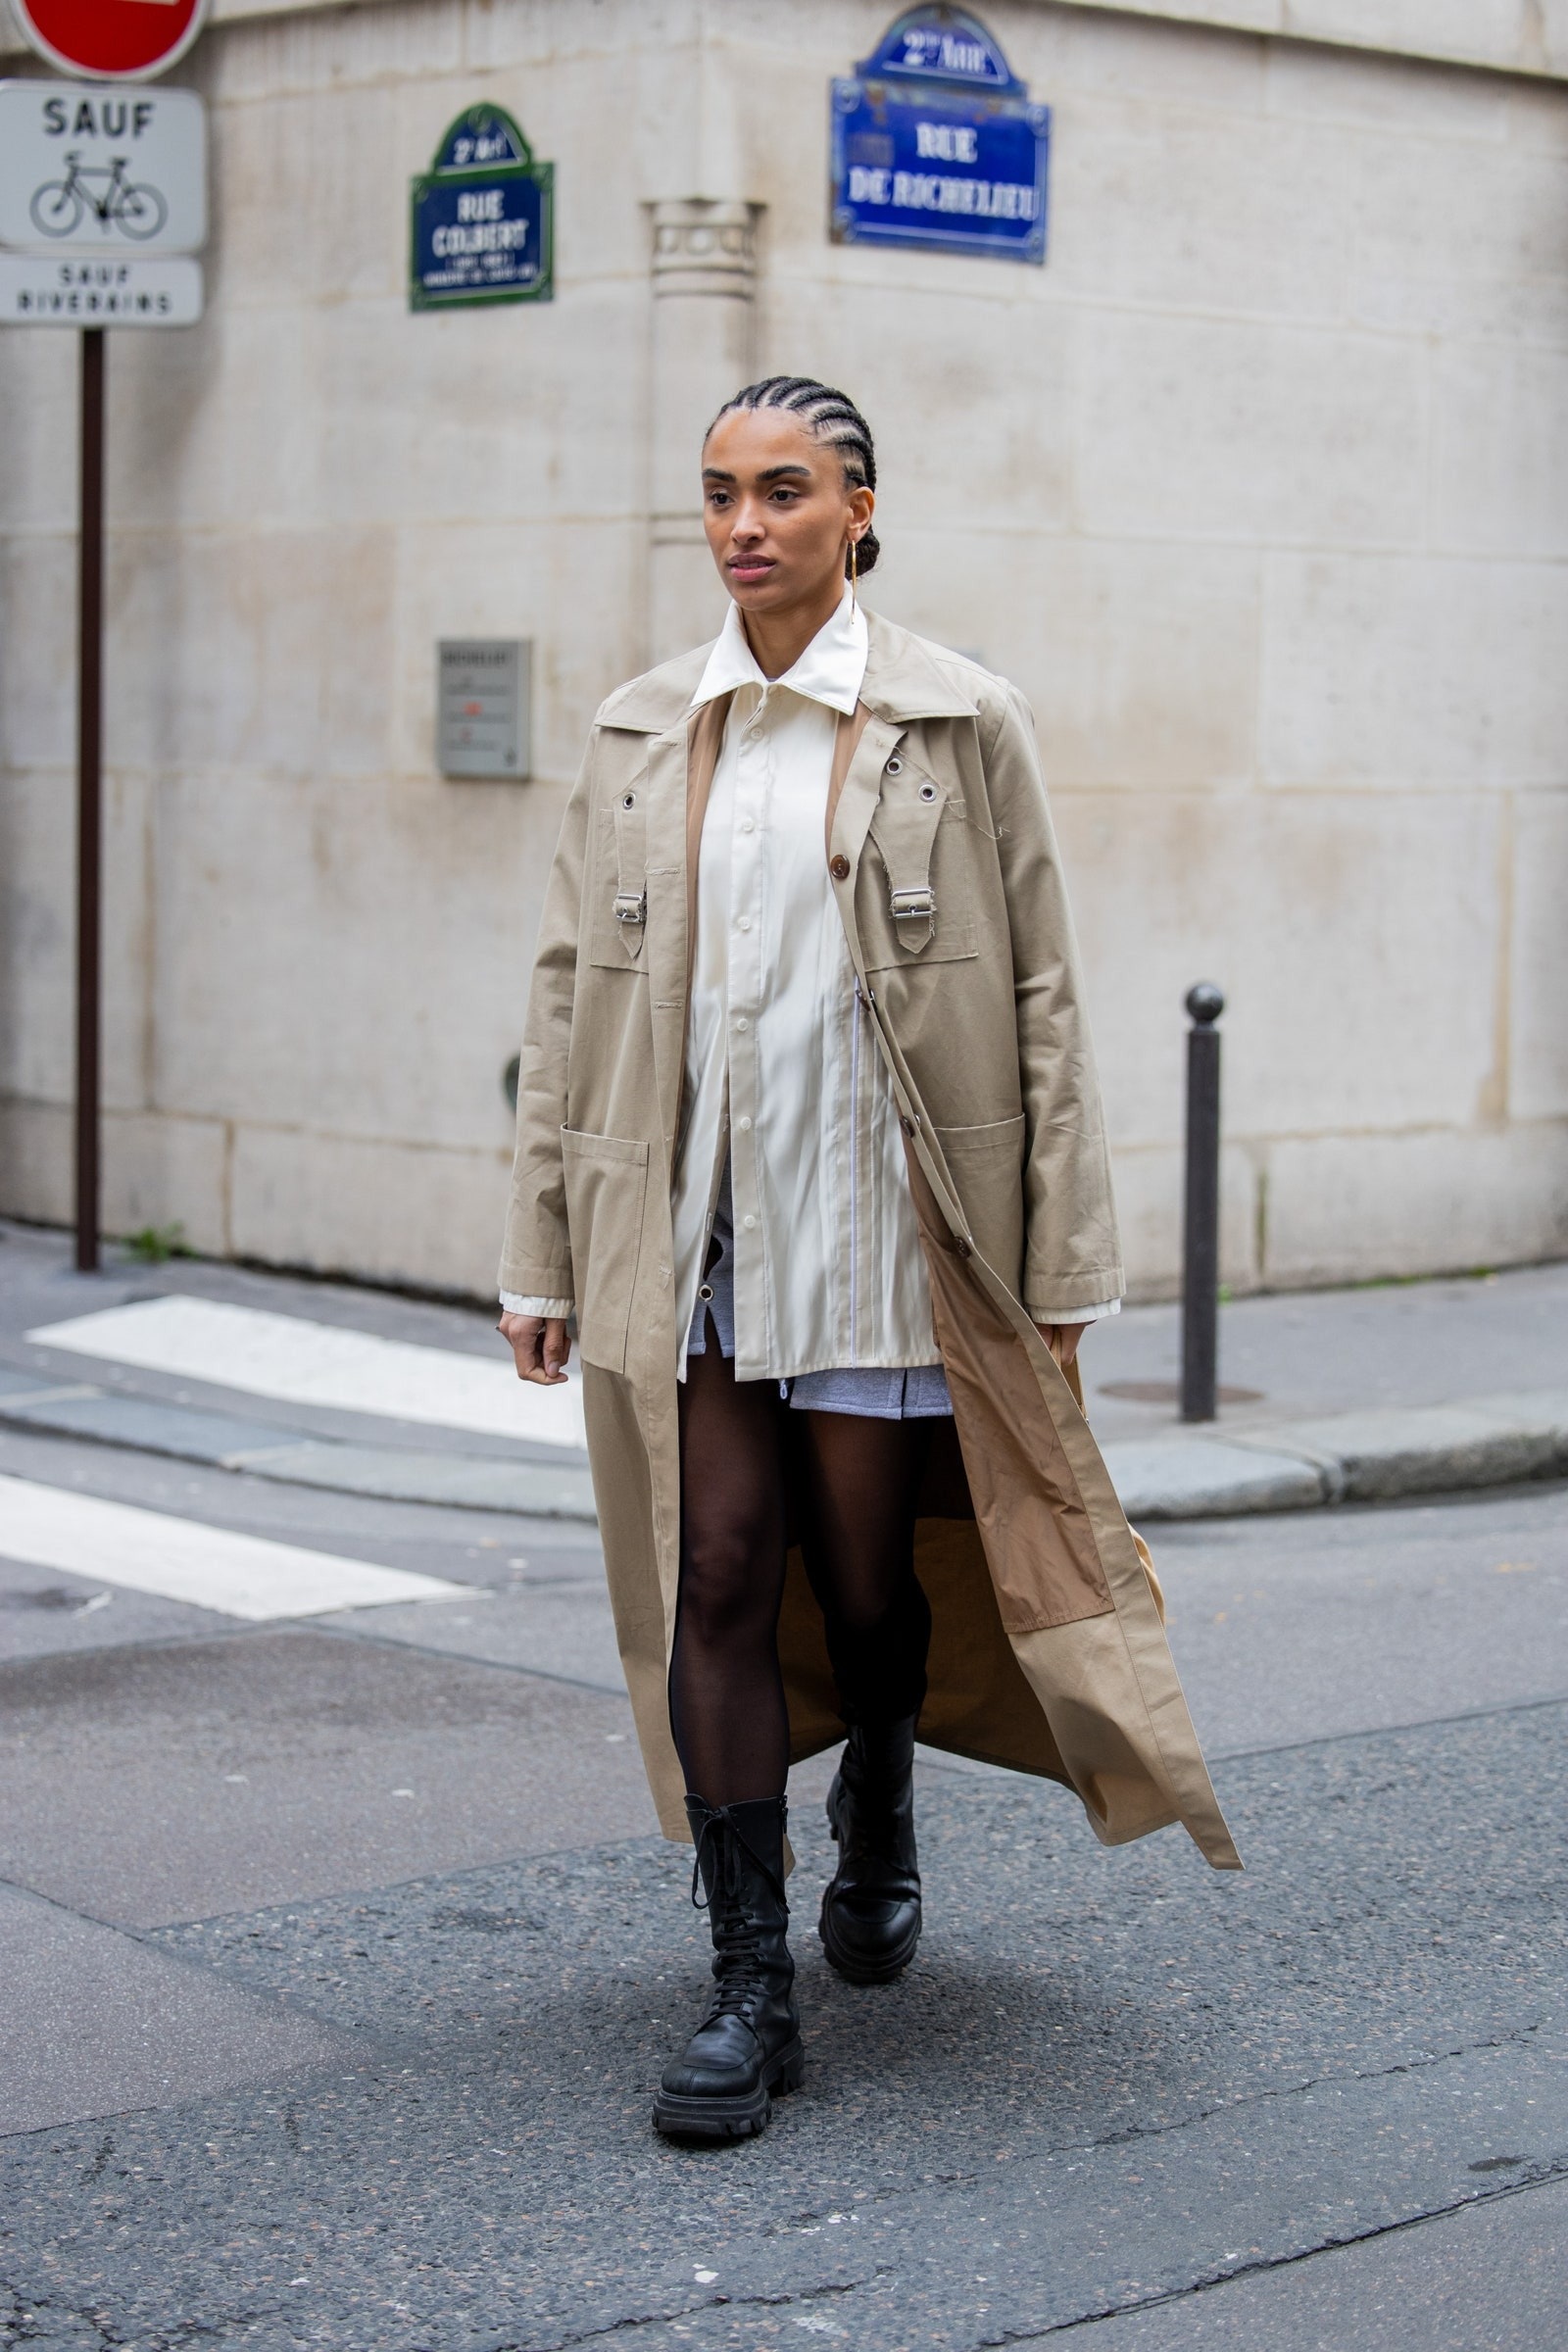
(1258, 489)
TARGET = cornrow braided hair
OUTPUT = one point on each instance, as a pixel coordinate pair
(827, 416)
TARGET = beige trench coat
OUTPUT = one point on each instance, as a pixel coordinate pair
(1048, 1650)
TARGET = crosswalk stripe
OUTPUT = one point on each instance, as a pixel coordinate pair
(181, 1559)
(297, 1362)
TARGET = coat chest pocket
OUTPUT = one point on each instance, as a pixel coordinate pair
(915, 903)
(607, 1182)
(618, 917)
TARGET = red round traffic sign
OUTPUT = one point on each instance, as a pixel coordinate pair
(113, 40)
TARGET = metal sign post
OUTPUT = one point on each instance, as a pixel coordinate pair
(103, 206)
(89, 795)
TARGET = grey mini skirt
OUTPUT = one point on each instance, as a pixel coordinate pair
(875, 1392)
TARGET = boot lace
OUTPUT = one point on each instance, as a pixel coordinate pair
(742, 1977)
(719, 1817)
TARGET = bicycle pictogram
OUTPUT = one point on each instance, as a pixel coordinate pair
(60, 207)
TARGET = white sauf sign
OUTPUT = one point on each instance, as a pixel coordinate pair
(89, 168)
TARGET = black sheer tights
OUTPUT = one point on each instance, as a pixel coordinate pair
(726, 1694)
(858, 1480)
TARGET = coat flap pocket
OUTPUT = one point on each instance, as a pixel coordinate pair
(996, 1135)
(578, 1140)
(986, 1166)
(607, 1184)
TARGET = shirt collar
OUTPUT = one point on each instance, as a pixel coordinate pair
(830, 671)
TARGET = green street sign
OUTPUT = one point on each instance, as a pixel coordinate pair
(482, 219)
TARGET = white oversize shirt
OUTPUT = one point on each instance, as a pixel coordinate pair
(783, 1074)
(781, 1063)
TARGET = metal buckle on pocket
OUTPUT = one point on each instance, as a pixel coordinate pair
(914, 905)
(631, 906)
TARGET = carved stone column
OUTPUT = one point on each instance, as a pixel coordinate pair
(704, 287)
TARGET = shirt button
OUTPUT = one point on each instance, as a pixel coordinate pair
(749, 1223)
(745, 1126)
(748, 824)
(838, 866)
(742, 922)
(743, 1022)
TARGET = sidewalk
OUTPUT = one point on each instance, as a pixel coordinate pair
(1352, 1396)
(1327, 1397)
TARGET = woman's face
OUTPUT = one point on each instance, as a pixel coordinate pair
(776, 509)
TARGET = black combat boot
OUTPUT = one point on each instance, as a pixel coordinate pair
(749, 2042)
(871, 1910)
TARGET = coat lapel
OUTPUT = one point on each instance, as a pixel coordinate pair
(850, 821)
(705, 742)
(668, 926)
(680, 777)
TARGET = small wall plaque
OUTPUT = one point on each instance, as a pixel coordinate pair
(482, 706)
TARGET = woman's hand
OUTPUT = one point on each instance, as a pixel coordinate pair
(539, 1348)
(1060, 1338)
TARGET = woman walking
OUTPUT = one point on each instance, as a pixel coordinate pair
(810, 1141)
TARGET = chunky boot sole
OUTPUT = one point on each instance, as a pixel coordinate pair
(679, 2116)
(855, 1966)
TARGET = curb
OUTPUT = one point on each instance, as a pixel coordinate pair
(1373, 1457)
(224, 1442)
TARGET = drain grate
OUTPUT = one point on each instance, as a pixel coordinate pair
(1166, 1392)
(48, 1597)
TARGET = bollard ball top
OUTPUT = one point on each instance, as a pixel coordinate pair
(1205, 1002)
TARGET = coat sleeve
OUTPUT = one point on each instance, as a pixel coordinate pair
(1072, 1256)
(536, 1255)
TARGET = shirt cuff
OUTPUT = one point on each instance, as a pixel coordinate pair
(547, 1309)
(1075, 1314)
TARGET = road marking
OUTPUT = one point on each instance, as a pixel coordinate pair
(300, 1363)
(181, 1559)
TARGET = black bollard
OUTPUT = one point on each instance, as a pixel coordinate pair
(1201, 1275)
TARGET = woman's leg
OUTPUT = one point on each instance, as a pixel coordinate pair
(726, 1700)
(726, 1693)
(862, 1480)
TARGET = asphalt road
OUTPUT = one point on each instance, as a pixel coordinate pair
(340, 1959)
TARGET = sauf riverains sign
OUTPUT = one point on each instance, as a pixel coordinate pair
(482, 219)
(103, 204)
(936, 143)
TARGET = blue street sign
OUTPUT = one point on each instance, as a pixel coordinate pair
(481, 217)
(936, 143)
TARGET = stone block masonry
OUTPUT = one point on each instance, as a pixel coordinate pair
(1254, 489)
